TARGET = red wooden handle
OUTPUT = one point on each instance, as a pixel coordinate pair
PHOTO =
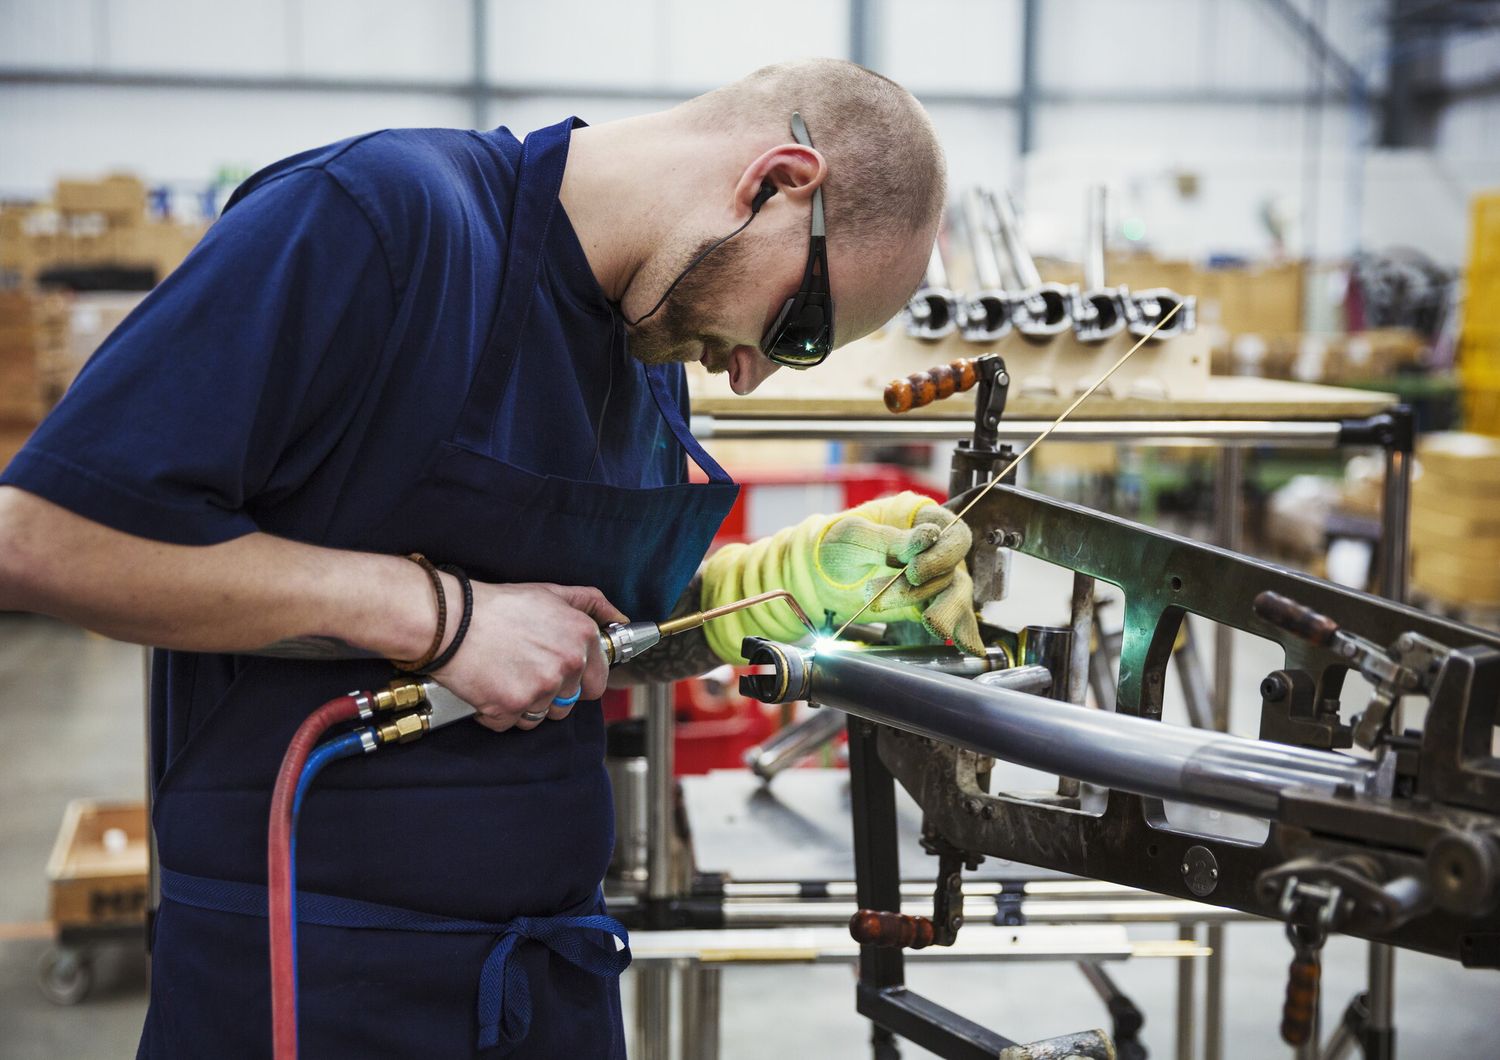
(923, 388)
(872, 927)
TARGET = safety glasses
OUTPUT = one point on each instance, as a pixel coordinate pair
(801, 336)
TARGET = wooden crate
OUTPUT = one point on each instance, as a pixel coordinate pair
(100, 866)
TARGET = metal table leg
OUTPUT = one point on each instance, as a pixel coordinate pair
(660, 788)
(700, 1011)
(653, 996)
(1213, 995)
(1187, 975)
(653, 1012)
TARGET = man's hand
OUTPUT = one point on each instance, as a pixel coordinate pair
(835, 565)
(527, 644)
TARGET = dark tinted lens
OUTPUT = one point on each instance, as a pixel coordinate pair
(803, 340)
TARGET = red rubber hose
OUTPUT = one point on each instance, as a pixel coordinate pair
(279, 874)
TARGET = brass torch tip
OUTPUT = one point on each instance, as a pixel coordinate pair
(693, 621)
(681, 625)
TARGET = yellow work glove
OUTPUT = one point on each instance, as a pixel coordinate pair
(837, 563)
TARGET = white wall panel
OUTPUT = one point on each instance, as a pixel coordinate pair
(1468, 136)
(710, 44)
(48, 33)
(1182, 44)
(577, 42)
(1246, 161)
(385, 38)
(178, 136)
(970, 46)
(1101, 44)
(523, 114)
(1471, 57)
(980, 143)
(239, 38)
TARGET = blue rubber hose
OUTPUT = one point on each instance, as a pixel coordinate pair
(342, 747)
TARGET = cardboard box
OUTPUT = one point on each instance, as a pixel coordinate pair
(33, 328)
(91, 319)
(1468, 462)
(12, 437)
(1454, 578)
(120, 197)
(99, 865)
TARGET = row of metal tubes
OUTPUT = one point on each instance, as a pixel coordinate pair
(1325, 434)
(1079, 889)
(760, 914)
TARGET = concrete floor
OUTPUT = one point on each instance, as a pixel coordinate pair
(71, 726)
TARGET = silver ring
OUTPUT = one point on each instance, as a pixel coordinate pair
(534, 715)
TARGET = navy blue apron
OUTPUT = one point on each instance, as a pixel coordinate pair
(450, 888)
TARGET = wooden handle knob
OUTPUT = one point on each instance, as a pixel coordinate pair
(1295, 618)
(923, 388)
(1301, 1000)
(872, 927)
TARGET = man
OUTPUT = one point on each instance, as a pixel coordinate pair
(456, 344)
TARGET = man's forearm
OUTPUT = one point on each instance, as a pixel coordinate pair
(257, 594)
(686, 654)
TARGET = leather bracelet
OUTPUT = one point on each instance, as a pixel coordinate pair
(442, 619)
(463, 622)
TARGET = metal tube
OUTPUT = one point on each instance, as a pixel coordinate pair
(1033, 679)
(1050, 647)
(1119, 751)
(1228, 520)
(937, 272)
(794, 743)
(700, 1010)
(1213, 995)
(1082, 624)
(1396, 515)
(981, 239)
(1187, 973)
(660, 787)
(1125, 910)
(984, 313)
(1021, 262)
(1312, 434)
(653, 1012)
(1195, 693)
(941, 658)
(1093, 255)
(933, 310)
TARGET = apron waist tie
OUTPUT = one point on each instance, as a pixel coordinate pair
(504, 991)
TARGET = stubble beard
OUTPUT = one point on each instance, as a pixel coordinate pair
(677, 333)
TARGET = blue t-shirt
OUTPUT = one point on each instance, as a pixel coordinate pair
(295, 374)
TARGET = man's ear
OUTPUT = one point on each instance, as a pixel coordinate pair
(790, 168)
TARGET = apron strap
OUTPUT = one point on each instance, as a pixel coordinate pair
(504, 990)
(544, 154)
(673, 415)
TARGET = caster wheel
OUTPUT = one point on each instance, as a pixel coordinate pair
(65, 976)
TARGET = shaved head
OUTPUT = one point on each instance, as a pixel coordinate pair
(887, 181)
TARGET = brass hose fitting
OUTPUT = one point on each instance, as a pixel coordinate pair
(399, 695)
(404, 728)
